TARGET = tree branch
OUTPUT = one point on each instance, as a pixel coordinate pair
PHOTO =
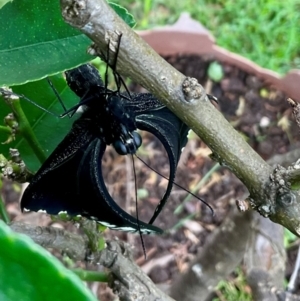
(72, 244)
(187, 100)
(264, 290)
(128, 281)
(221, 254)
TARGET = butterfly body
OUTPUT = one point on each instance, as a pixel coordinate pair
(71, 178)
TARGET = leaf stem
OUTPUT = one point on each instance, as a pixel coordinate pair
(5, 129)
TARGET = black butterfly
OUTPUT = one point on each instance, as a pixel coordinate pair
(71, 178)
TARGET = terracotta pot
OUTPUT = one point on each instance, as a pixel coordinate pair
(188, 36)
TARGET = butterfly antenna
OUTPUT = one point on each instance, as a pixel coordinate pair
(136, 208)
(106, 70)
(114, 65)
(118, 78)
(67, 112)
(124, 85)
(7, 93)
(179, 186)
(56, 94)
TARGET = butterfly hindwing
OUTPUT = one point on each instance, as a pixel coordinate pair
(172, 133)
(91, 187)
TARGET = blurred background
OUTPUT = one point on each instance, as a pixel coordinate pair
(265, 31)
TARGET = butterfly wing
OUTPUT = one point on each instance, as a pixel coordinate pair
(157, 119)
(53, 187)
(71, 181)
(97, 203)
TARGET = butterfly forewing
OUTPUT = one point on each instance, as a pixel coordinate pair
(53, 187)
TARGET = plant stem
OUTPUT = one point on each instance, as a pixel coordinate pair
(90, 276)
(26, 131)
(3, 213)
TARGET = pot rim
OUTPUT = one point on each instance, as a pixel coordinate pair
(188, 36)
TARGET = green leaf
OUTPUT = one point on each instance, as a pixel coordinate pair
(123, 14)
(288, 238)
(35, 42)
(49, 130)
(3, 2)
(215, 72)
(142, 193)
(295, 184)
(42, 44)
(30, 273)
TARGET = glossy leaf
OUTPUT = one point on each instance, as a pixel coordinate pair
(36, 42)
(123, 14)
(30, 273)
(48, 129)
(3, 2)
